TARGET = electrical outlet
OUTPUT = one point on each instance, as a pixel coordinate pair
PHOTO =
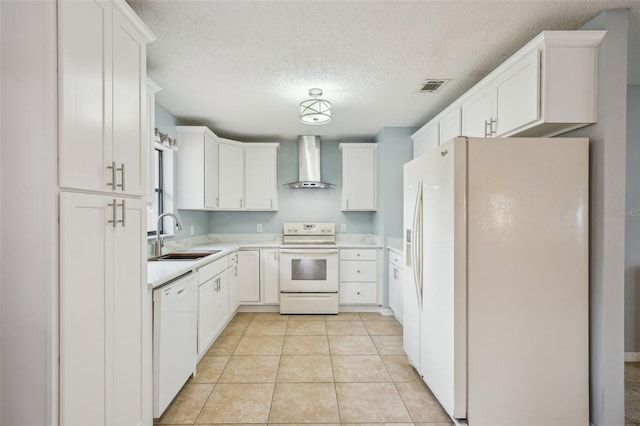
(259, 228)
(193, 230)
(343, 227)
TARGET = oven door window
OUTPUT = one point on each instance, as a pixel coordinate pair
(308, 269)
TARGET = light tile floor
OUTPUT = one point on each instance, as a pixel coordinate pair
(632, 393)
(307, 369)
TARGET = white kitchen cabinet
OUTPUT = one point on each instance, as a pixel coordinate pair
(104, 310)
(396, 268)
(149, 127)
(261, 189)
(221, 301)
(231, 175)
(249, 276)
(269, 265)
(358, 276)
(425, 139)
(450, 125)
(102, 72)
(213, 302)
(359, 176)
(206, 316)
(546, 88)
(197, 168)
(479, 113)
(234, 297)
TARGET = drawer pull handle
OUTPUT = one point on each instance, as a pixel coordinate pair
(358, 271)
(358, 254)
(358, 293)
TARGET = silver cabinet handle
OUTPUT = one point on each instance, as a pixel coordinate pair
(121, 170)
(358, 293)
(240, 202)
(181, 291)
(494, 130)
(112, 184)
(124, 213)
(358, 254)
(487, 128)
(358, 271)
(114, 213)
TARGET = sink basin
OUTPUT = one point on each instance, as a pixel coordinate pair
(184, 255)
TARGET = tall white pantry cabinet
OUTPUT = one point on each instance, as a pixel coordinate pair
(105, 306)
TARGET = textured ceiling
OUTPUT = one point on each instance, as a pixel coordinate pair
(243, 67)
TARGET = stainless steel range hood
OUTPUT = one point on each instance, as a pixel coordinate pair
(309, 164)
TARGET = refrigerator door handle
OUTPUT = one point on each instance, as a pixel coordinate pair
(416, 245)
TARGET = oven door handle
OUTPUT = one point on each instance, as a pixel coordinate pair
(309, 251)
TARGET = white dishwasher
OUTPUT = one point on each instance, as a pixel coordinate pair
(175, 338)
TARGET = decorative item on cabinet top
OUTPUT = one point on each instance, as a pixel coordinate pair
(165, 140)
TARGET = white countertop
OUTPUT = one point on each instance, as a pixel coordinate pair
(160, 273)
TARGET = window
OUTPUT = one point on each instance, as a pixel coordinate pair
(163, 190)
(156, 209)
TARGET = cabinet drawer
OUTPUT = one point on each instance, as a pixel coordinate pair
(358, 254)
(358, 270)
(396, 259)
(212, 269)
(357, 293)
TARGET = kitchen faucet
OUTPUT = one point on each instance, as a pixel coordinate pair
(157, 248)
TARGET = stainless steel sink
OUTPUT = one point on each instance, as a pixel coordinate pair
(184, 255)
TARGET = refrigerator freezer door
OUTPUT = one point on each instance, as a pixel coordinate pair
(412, 306)
(443, 321)
(528, 281)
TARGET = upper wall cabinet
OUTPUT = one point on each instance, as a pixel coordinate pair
(197, 168)
(102, 85)
(260, 167)
(359, 176)
(221, 174)
(231, 175)
(545, 89)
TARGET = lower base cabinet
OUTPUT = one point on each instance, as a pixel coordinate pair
(395, 284)
(249, 276)
(358, 276)
(105, 364)
(213, 302)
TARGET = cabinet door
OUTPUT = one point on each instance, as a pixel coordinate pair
(427, 139)
(220, 301)
(206, 315)
(478, 111)
(86, 262)
(450, 125)
(231, 175)
(124, 304)
(128, 79)
(359, 181)
(249, 276)
(260, 183)
(518, 95)
(270, 278)
(84, 35)
(210, 172)
(395, 290)
(234, 300)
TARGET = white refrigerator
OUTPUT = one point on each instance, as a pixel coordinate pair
(496, 280)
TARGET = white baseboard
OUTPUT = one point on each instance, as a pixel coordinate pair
(387, 312)
(632, 357)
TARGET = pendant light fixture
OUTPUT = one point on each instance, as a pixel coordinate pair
(315, 111)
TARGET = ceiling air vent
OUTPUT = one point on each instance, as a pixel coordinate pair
(433, 85)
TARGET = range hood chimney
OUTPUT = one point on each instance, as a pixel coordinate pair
(309, 164)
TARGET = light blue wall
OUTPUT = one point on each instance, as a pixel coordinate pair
(632, 225)
(166, 123)
(395, 147)
(298, 205)
(607, 230)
